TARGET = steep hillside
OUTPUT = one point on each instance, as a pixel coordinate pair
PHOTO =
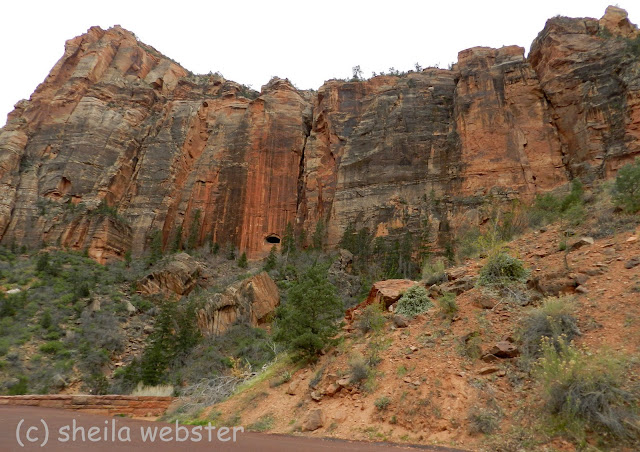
(120, 142)
(464, 373)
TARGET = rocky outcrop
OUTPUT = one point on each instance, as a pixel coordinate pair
(109, 405)
(589, 72)
(376, 150)
(509, 145)
(176, 276)
(252, 300)
(117, 128)
(384, 294)
(120, 143)
(313, 421)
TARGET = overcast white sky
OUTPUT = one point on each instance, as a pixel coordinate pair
(251, 41)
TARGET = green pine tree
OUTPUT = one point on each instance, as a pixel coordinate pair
(317, 239)
(231, 252)
(272, 260)
(194, 231)
(288, 241)
(242, 262)
(177, 240)
(308, 320)
(155, 248)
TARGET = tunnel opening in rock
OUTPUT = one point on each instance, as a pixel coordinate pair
(272, 239)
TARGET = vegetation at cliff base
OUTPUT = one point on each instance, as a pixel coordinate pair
(308, 320)
(586, 392)
(502, 269)
(626, 188)
(413, 302)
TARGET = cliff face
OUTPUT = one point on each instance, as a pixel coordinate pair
(120, 142)
(589, 71)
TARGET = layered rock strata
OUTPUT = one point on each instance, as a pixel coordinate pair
(120, 143)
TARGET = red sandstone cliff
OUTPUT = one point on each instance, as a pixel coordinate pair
(120, 141)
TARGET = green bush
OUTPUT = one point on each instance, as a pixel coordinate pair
(358, 369)
(52, 347)
(585, 392)
(21, 387)
(242, 262)
(264, 424)
(371, 319)
(544, 210)
(551, 321)
(433, 272)
(283, 378)
(5, 344)
(448, 305)
(548, 208)
(414, 301)
(317, 378)
(272, 260)
(502, 269)
(483, 420)
(626, 189)
(382, 403)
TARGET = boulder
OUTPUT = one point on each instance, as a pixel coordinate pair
(332, 389)
(384, 293)
(504, 349)
(389, 291)
(251, 300)
(583, 241)
(488, 370)
(313, 421)
(484, 301)
(400, 321)
(552, 282)
(177, 275)
(292, 388)
(131, 309)
(58, 382)
(631, 263)
(459, 285)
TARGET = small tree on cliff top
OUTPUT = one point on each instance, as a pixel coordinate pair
(308, 320)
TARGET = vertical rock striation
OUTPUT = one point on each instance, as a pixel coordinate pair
(120, 143)
(589, 71)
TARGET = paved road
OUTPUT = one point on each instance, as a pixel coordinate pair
(110, 434)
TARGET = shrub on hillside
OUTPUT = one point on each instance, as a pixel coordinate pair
(371, 319)
(626, 189)
(382, 403)
(585, 392)
(242, 262)
(433, 272)
(548, 208)
(553, 320)
(483, 420)
(414, 301)
(448, 305)
(358, 369)
(502, 269)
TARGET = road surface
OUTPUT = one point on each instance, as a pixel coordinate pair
(61, 430)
